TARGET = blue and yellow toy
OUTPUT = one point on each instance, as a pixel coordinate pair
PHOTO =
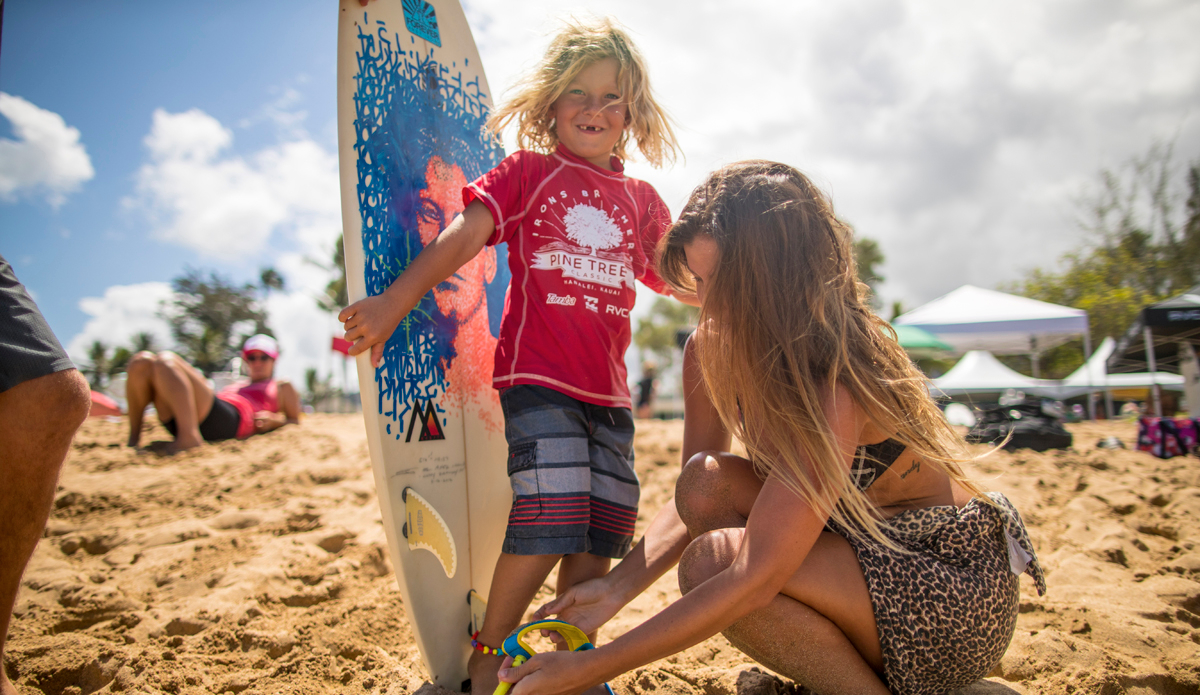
(516, 646)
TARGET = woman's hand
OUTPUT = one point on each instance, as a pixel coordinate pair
(265, 421)
(549, 673)
(587, 606)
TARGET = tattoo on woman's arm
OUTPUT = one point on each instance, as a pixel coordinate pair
(914, 468)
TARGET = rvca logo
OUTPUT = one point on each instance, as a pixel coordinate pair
(618, 310)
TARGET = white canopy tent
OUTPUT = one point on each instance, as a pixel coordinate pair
(972, 318)
(980, 372)
(1093, 374)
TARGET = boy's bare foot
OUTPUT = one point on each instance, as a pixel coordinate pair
(482, 670)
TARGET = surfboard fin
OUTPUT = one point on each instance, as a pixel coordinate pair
(478, 611)
(425, 528)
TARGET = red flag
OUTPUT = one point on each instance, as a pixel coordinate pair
(341, 345)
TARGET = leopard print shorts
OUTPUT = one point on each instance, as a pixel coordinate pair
(947, 612)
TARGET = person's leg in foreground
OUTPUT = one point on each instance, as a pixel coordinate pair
(43, 400)
(820, 631)
(38, 419)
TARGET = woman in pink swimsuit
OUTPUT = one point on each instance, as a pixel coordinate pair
(193, 413)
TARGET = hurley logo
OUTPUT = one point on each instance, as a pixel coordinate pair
(430, 427)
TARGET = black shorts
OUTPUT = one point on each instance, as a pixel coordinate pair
(221, 423)
(28, 348)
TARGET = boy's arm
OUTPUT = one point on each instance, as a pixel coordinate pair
(370, 322)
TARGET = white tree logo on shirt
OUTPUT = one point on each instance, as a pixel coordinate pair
(591, 227)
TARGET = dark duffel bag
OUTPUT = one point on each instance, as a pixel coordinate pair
(1030, 425)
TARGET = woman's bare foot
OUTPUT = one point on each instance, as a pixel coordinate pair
(181, 444)
(482, 670)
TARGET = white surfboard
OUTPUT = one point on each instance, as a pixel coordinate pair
(412, 100)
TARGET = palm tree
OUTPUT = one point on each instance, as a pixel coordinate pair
(143, 341)
(98, 369)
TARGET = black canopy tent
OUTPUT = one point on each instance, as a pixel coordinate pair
(1158, 340)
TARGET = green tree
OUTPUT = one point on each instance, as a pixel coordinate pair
(211, 317)
(869, 257)
(119, 360)
(142, 342)
(335, 297)
(1136, 252)
(657, 332)
(270, 279)
(97, 369)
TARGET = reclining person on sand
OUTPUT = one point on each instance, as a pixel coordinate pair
(194, 414)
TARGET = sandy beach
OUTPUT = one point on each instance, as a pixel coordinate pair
(258, 567)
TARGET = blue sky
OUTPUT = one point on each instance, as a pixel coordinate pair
(137, 138)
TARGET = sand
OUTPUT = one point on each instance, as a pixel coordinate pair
(258, 567)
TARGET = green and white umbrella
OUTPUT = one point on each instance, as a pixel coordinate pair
(918, 342)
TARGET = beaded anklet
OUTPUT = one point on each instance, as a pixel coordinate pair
(481, 647)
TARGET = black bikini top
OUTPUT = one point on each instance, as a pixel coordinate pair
(873, 460)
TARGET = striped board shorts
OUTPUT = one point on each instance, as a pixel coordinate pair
(570, 464)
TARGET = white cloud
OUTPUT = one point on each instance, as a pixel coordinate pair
(46, 158)
(958, 135)
(122, 312)
(226, 206)
(277, 206)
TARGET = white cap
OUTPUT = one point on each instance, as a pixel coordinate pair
(261, 343)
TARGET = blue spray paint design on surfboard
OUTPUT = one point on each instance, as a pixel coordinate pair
(409, 107)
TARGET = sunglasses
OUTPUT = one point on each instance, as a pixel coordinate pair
(257, 357)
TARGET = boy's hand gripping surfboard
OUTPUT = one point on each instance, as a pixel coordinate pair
(412, 100)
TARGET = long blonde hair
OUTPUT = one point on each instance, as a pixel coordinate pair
(784, 322)
(575, 47)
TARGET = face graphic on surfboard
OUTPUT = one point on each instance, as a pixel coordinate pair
(463, 296)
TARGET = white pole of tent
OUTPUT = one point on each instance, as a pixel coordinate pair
(1087, 363)
(1190, 369)
(1154, 392)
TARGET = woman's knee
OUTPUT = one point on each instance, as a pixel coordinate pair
(707, 491)
(708, 555)
(699, 479)
(141, 365)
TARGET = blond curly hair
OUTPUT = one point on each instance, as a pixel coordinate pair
(576, 46)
